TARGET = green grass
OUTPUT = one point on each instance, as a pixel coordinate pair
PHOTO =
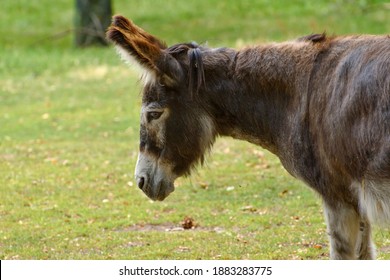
(69, 139)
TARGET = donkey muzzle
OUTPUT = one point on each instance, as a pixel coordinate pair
(152, 178)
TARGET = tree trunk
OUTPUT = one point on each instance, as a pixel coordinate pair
(91, 21)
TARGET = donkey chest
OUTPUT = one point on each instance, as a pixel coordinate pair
(302, 158)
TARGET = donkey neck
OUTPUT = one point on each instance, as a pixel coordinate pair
(260, 91)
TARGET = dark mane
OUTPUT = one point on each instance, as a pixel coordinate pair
(314, 38)
(196, 76)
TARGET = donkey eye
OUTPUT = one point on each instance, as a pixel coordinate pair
(153, 115)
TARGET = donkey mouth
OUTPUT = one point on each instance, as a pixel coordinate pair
(156, 192)
(162, 191)
(163, 195)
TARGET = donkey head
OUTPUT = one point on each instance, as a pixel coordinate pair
(175, 129)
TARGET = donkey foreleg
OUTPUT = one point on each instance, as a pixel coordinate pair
(365, 247)
(343, 228)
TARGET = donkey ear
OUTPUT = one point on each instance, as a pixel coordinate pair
(148, 51)
(135, 44)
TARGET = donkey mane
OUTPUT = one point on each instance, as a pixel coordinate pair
(196, 77)
(315, 38)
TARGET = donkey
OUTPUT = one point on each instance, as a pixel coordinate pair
(321, 104)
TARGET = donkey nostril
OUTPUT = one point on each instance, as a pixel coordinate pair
(141, 182)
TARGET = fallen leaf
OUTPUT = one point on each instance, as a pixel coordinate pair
(249, 208)
(183, 249)
(51, 160)
(283, 193)
(188, 223)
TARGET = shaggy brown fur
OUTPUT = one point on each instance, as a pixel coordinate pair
(321, 104)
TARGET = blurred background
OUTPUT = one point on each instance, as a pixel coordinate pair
(69, 118)
(47, 24)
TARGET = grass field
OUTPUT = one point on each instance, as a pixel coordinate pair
(69, 139)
